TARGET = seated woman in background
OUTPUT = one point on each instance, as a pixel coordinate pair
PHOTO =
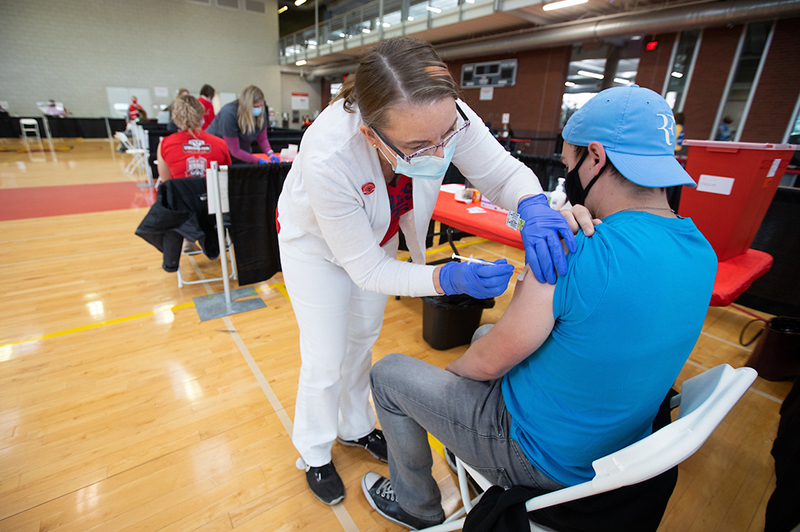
(241, 122)
(190, 151)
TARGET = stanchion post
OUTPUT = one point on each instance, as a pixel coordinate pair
(215, 197)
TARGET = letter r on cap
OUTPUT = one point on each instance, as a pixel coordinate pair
(668, 127)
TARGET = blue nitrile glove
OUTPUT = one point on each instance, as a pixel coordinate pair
(543, 250)
(274, 158)
(262, 161)
(477, 280)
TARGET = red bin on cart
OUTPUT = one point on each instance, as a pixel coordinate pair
(735, 185)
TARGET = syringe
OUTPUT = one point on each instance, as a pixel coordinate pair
(470, 259)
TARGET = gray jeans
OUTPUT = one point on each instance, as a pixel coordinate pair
(468, 417)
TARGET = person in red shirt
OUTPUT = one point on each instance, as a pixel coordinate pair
(133, 109)
(206, 95)
(189, 152)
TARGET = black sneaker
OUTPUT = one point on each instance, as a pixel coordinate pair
(379, 493)
(325, 483)
(374, 442)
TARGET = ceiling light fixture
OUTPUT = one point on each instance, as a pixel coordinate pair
(386, 25)
(281, 10)
(434, 9)
(562, 4)
(301, 62)
(569, 84)
(622, 81)
(588, 74)
(678, 75)
(299, 2)
(410, 19)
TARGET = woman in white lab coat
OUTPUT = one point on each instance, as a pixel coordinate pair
(373, 163)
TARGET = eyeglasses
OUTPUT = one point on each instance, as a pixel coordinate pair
(430, 150)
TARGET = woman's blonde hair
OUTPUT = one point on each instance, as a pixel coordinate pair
(398, 71)
(249, 124)
(187, 112)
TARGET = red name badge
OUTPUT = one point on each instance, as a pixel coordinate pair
(368, 188)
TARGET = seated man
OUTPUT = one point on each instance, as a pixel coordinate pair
(572, 371)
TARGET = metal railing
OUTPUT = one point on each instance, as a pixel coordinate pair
(368, 24)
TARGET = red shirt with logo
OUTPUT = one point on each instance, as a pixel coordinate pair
(401, 201)
(189, 153)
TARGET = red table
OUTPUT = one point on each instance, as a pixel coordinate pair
(734, 275)
(489, 224)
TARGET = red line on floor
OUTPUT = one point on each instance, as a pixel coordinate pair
(41, 202)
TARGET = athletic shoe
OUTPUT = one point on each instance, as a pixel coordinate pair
(374, 442)
(325, 483)
(379, 493)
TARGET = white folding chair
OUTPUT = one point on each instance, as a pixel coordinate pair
(138, 162)
(30, 125)
(229, 249)
(704, 402)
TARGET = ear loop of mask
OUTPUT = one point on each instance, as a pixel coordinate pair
(392, 164)
(595, 178)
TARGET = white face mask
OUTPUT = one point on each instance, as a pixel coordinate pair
(424, 166)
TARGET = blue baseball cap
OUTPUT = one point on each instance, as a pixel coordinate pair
(637, 129)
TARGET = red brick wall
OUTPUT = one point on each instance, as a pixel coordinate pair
(778, 88)
(534, 102)
(653, 65)
(714, 60)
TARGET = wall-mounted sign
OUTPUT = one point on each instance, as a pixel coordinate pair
(487, 93)
(490, 74)
(299, 100)
(161, 92)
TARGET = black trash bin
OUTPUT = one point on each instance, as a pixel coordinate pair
(450, 321)
(776, 357)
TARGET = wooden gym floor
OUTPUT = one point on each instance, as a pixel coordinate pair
(121, 411)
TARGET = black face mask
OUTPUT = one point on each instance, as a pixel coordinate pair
(576, 194)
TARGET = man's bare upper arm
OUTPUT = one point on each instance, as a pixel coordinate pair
(526, 323)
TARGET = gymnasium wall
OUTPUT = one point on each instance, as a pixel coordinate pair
(71, 50)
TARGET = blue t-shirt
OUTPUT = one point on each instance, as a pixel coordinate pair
(627, 315)
(226, 124)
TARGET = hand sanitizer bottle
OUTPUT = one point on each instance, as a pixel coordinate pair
(558, 197)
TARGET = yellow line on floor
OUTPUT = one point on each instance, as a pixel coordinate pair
(278, 286)
(97, 325)
(281, 287)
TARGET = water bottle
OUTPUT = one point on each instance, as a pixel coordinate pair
(558, 197)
